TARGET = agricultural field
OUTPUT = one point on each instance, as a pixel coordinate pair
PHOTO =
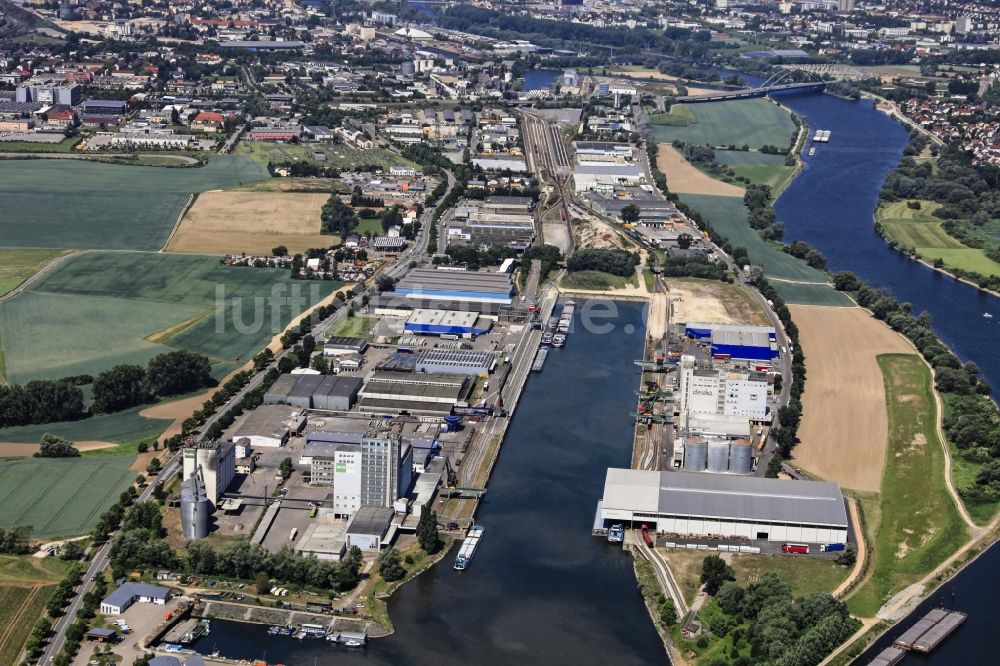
(915, 525)
(61, 496)
(125, 426)
(125, 307)
(758, 168)
(842, 346)
(713, 302)
(680, 115)
(685, 178)
(20, 607)
(752, 122)
(794, 280)
(51, 203)
(922, 232)
(254, 223)
(16, 266)
(338, 156)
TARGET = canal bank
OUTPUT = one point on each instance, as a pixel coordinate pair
(540, 587)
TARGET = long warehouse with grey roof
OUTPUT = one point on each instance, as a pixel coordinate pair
(727, 506)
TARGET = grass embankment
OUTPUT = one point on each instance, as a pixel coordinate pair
(596, 280)
(918, 231)
(914, 524)
(414, 561)
(16, 266)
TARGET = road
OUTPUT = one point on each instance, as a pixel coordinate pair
(100, 559)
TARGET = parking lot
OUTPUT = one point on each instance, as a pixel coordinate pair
(141, 618)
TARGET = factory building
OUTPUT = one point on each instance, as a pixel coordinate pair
(216, 463)
(343, 345)
(456, 362)
(118, 601)
(271, 425)
(585, 149)
(716, 391)
(702, 505)
(195, 507)
(653, 212)
(330, 392)
(368, 527)
(447, 322)
(737, 341)
(419, 394)
(376, 471)
(461, 286)
(607, 178)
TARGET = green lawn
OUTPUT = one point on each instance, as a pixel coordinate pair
(126, 426)
(921, 231)
(373, 226)
(355, 327)
(61, 496)
(917, 525)
(729, 217)
(16, 266)
(805, 575)
(338, 156)
(594, 280)
(80, 204)
(754, 122)
(103, 308)
(758, 168)
(64, 146)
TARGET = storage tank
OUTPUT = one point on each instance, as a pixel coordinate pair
(741, 457)
(695, 454)
(718, 456)
(195, 509)
(408, 68)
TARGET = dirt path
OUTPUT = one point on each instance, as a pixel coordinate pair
(862, 553)
(844, 421)
(684, 178)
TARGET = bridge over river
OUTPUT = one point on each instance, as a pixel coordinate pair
(747, 93)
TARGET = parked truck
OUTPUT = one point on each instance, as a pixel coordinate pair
(826, 548)
(646, 537)
(795, 548)
(294, 533)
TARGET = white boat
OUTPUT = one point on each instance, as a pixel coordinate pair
(987, 315)
(812, 151)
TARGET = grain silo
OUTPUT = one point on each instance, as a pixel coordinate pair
(195, 508)
(695, 454)
(718, 456)
(741, 457)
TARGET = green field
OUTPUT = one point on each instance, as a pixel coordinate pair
(16, 266)
(754, 122)
(594, 280)
(126, 426)
(758, 168)
(338, 156)
(917, 525)
(64, 146)
(20, 608)
(796, 281)
(680, 115)
(61, 497)
(80, 204)
(920, 231)
(103, 308)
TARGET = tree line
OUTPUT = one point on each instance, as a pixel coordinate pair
(121, 387)
(606, 260)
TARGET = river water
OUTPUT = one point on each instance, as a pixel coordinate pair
(540, 588)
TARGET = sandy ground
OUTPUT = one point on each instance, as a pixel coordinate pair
(684, 178)
(251, 222)
(713, 303)
(14, 450)
(556, 233)
(844, 423)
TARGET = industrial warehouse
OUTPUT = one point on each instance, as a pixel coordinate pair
(463, 286)
(707, 505)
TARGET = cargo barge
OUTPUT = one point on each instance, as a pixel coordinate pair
(540, 357)
(468, 548)
(930, 630)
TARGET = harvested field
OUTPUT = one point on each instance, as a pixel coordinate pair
(844, 424)
(13, 450)
(251, 222)
(684, 178)
(713, 302)
(61, 496)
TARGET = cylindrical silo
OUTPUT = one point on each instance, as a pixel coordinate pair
(695, 454)
(718, 456)
(408, 68)
(741, 457)
(195, 509)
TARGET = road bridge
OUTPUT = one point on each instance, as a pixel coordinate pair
(747, 93)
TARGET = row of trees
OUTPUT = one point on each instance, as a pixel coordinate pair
(40, 402)
(125, 386)
(762, 216)
(15, 541)
(606, 260)
(971, 419)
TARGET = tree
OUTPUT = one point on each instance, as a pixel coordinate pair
(280, 251)
(285, 468)
(154, 466)
(427, 532)
(178, 372)
(51, 446)
(121, 387)
(630, 214)
(390, 567)
(730, 597)
(715, 572)
(773, 467)
(668, 613)
(386, 283)
(71, 551)
(684, 241)
(262, 583)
